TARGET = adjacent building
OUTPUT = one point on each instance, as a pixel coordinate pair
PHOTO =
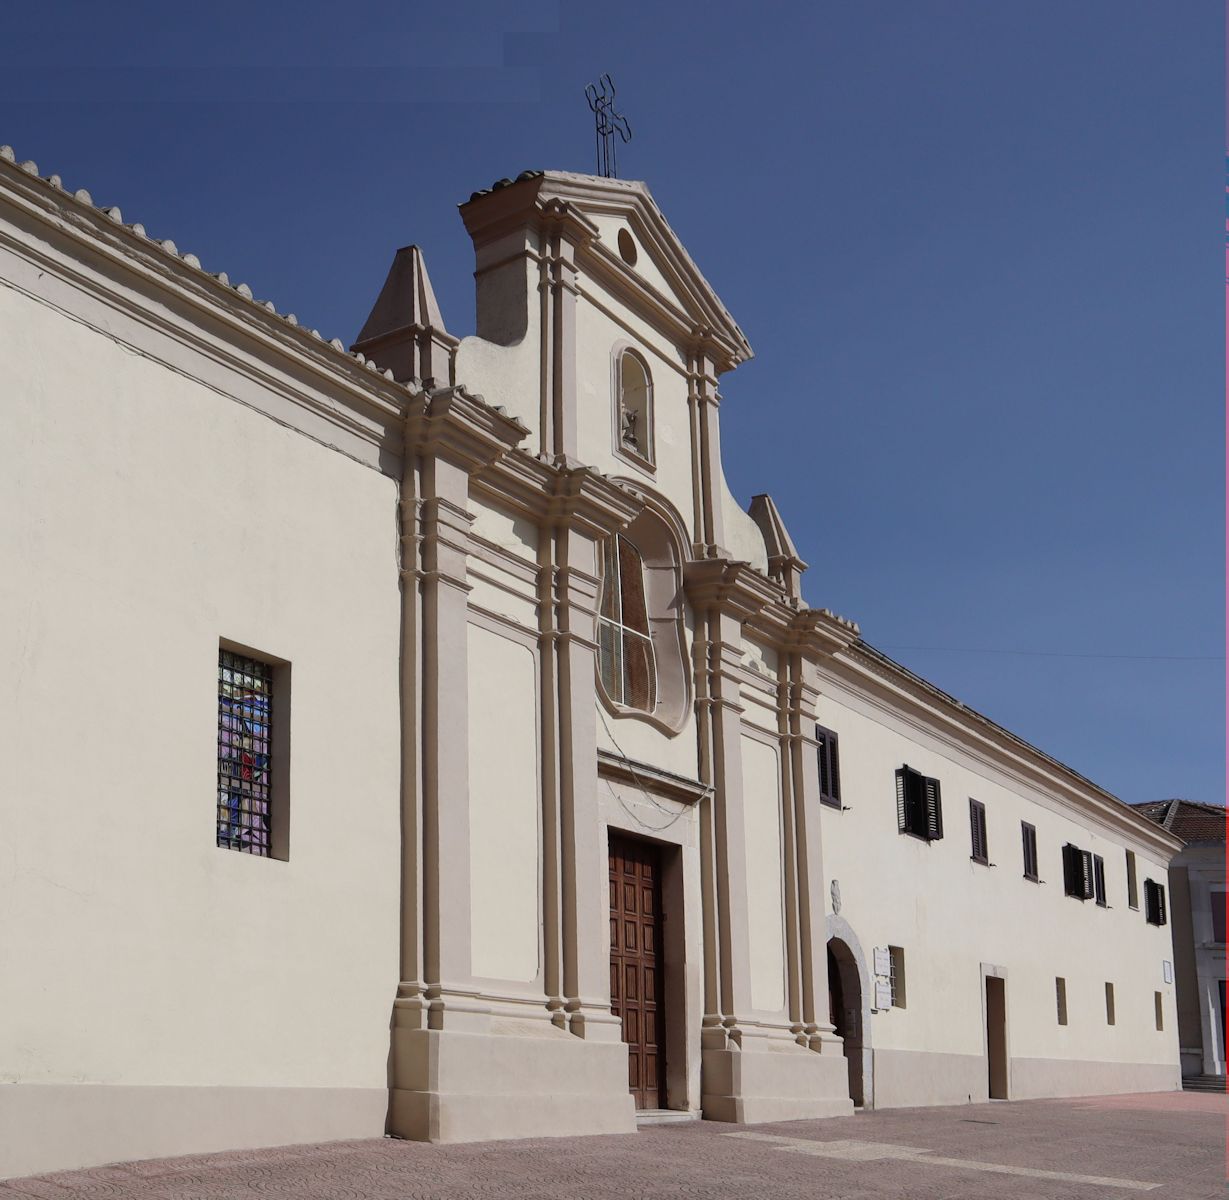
(421, 738)
(1197, 902)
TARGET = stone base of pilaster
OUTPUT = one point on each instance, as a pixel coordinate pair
(452, 1086)
(773, 1081)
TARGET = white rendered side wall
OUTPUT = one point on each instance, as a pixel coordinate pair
(145, 516)
(952, 915)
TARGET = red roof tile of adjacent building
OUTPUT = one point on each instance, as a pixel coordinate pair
(1187, 819)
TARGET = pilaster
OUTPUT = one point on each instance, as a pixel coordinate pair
(449, 434)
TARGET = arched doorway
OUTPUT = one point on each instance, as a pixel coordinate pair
(845, 1011)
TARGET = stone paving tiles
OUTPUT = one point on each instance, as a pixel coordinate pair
(1165, 1146)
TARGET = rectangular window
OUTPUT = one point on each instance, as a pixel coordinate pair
(1060, 994)
(829, 767)
(251, 813)
(1218, 917)
(896, 975)
(1077, 872)
(1154, 902)
(1098, 879)
(1132, 882)
(1158, 1003)
(919, 807)
(1028, 835)
(977, 831)
(1109, 1003)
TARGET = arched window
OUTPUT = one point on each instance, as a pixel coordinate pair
(625, 647)
(635, 408)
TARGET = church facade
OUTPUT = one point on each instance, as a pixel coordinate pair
(420, 738)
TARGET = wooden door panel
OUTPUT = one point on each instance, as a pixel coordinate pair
(635, 967)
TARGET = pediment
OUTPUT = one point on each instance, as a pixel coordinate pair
(623, 239)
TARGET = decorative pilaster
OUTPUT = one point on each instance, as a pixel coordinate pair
(704, 402)
(561, 230)
(811, 636)
(723, 595)
(449, 435)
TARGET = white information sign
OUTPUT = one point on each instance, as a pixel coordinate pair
(1169, 971)
(883, 995)
(883, 961)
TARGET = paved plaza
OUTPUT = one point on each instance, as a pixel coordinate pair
(1166, 1145)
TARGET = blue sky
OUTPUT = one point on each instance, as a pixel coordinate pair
(976, 247)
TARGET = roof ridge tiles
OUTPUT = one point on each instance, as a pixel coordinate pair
(114, 214)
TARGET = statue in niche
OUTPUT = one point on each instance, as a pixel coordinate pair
(835, 891)
(627, 423)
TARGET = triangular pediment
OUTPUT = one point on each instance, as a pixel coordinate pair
(621, 236)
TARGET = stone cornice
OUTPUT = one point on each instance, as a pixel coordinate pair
(892, 687)
(650, 778)
(451, 423)
(732, 588)
(558, 495)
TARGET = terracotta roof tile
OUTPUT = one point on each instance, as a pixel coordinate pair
(1188, 819)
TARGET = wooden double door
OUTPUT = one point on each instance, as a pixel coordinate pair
(637, 967)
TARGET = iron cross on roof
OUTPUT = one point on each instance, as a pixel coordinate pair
(608, 123)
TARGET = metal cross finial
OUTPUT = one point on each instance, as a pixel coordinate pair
(608, 124)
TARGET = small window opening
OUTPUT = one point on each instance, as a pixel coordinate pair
(1060, 995)
(977, 828)
(253, 723)
(1158, 1004)
(1028, 835)
(1132, 882)
(1098, 880)
(829, 767)
(1109, 1003)
(1154, 902)
(625, 647)
(896, 975)
(1077, 872)
(627, 248)
(919, 805)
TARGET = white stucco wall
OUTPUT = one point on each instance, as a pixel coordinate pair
(951, 915)
(765, 904)
(505, 864)
(145, 515)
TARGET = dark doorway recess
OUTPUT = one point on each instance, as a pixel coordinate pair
(845, 1010)
(996, 1036)
(637, 965)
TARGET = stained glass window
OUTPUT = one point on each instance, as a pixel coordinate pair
(245, 713)
(625, 647)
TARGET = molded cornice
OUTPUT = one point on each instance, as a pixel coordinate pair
(892, 687)
(732, 588)
(694, 315)
(451, 423)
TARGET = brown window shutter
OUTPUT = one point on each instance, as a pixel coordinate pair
(934, 810)
(902, 802)
(829, 767)
(977, 830)
(1086, 874)
(1098, 879)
